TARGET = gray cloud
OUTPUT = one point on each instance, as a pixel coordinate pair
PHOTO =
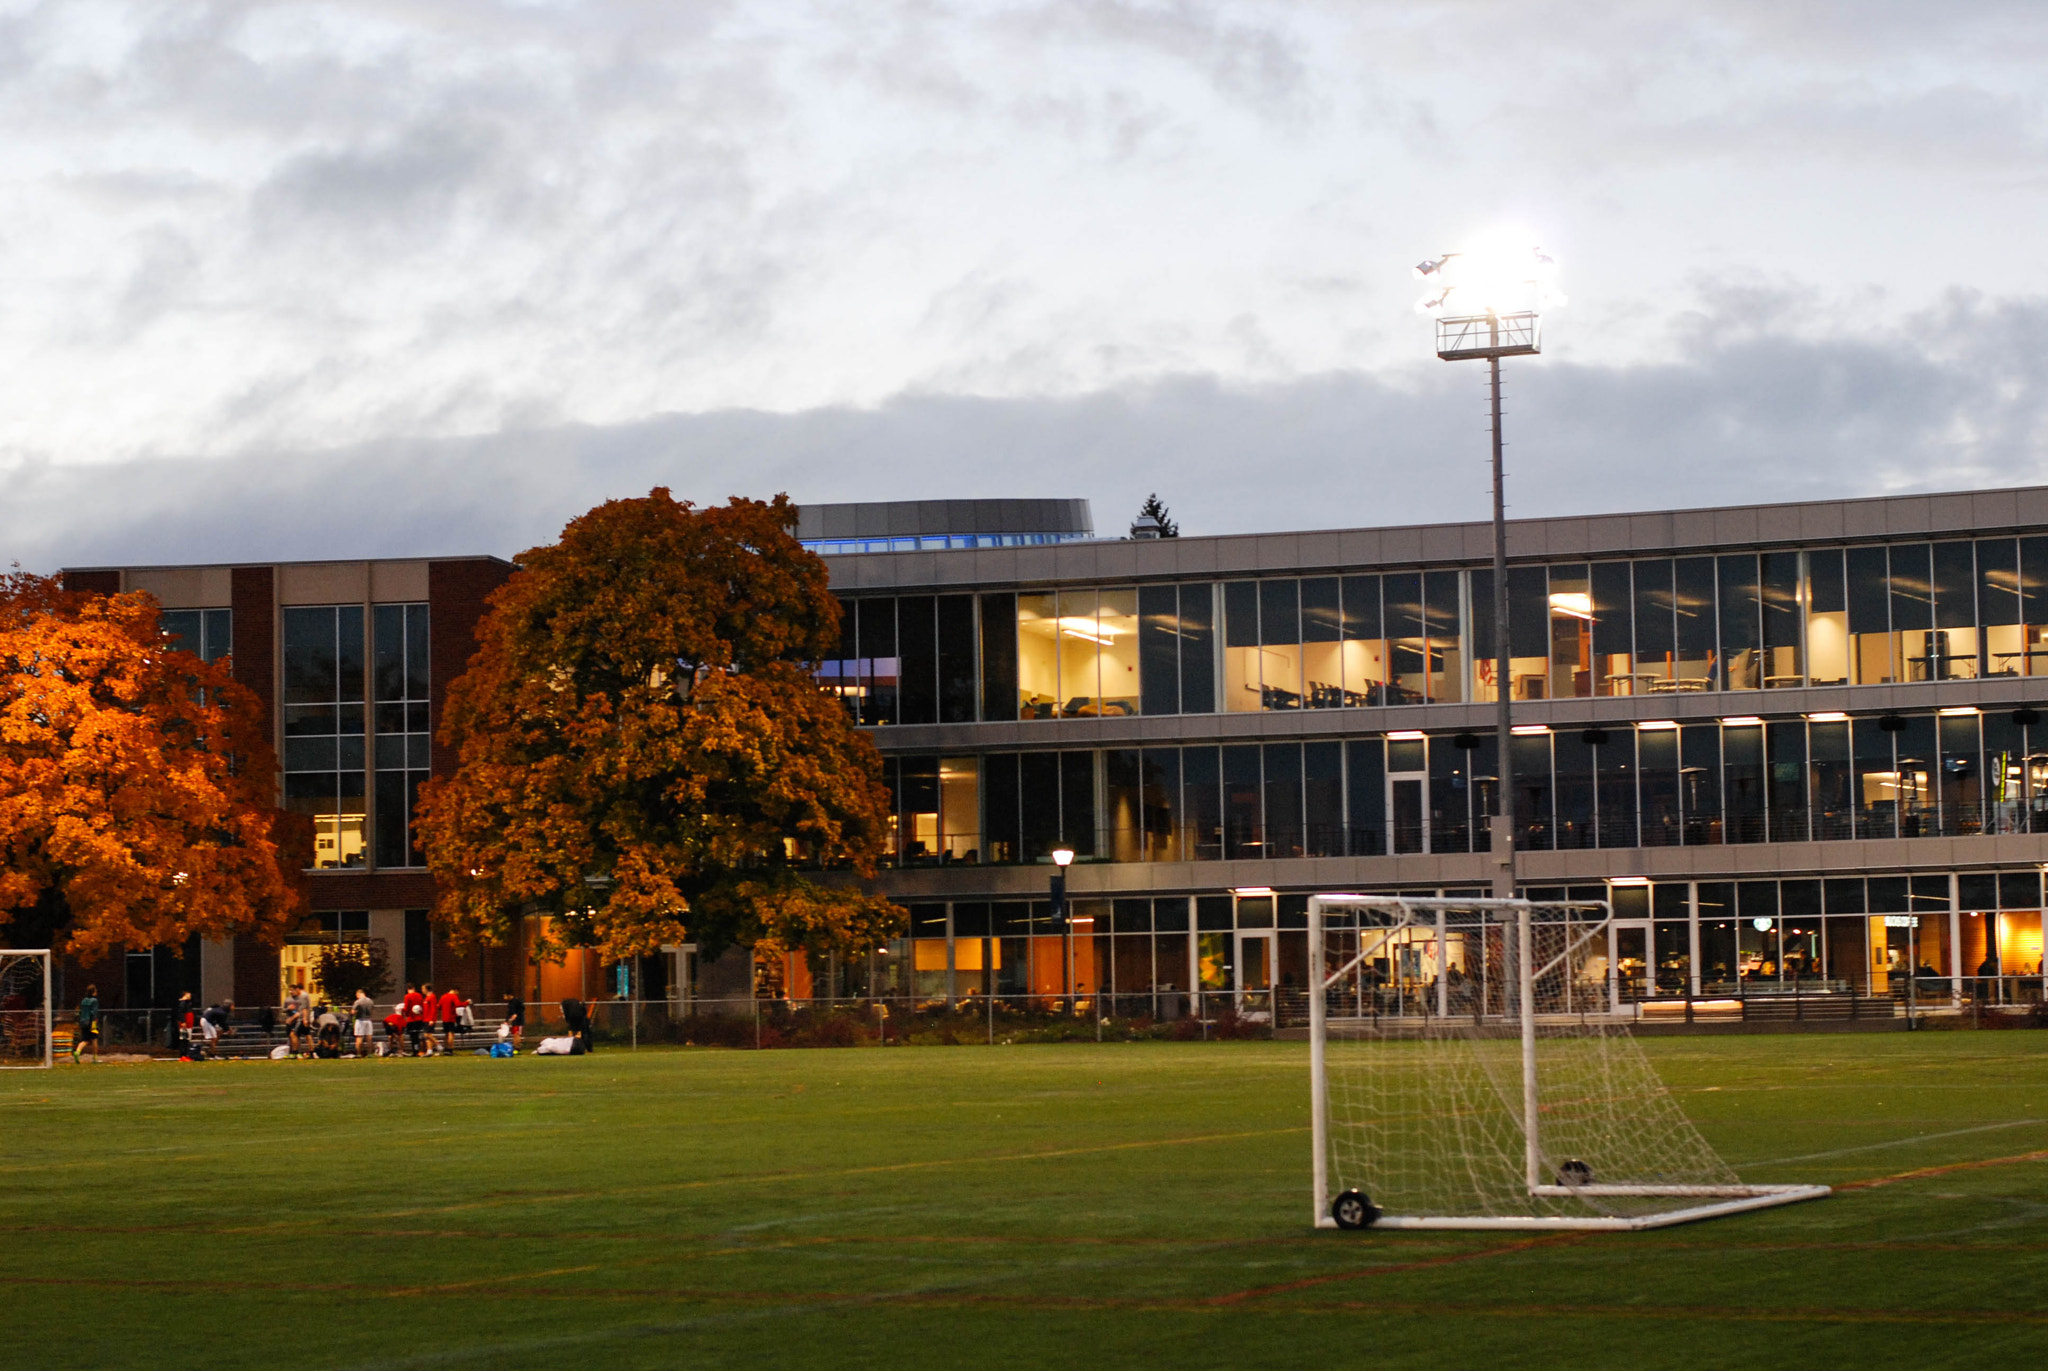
(1744, 414)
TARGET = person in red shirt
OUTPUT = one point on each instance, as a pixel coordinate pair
(414, 1008)
(394, 1025)
(445, 1012)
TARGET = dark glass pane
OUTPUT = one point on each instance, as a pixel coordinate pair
(1528, 612)
(1699, 782)
(1530, 755)
(1976, 891)
(1440, 594)
(999, 805)
(1868, 597)
(1368, 793)
(1786, 744)
(1241, 614)
(1171, 915)
(348, 653)
(1781, 599)
(1322, 619)
(918, 652)
(1832, 802)
(311, 670)
(1741, 622)
(2034, 580)
(1322, 769)
(1131, 916)
(1362, 607)
(1962, 776)
(1998, 582)
(972, 919)
(999, 656)
(1843, 895)
(185, 629)
(1202, 800)
(956, 659)
(1613, 631)
(1876, 782)
(1742, 773)
(392, 809)
(1955, 585)
(1038, 800)
(1912, 587)
(1165, 835)
(2019, 890)
(1824, 578)
(1655, 642)
(1283, 800)
(1197, 649)
(1657, 781)
(1123, 791)
(1077, 802)
(1694, 601)
(1403, 591)
(879, 662)
(1614, 764)
(1243, 831)
(1279, 612)
(1574, 768)
(1450, 797)
(418, 662)
(1159, 649)
(1888, 895)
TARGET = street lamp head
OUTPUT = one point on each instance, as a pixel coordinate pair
(1062, 856)
(1498, 277)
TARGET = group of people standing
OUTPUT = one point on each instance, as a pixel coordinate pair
(418, 1019)
(422, 1024)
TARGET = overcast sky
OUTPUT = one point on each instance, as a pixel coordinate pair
(326, 280)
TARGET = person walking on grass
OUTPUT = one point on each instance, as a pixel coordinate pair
(446, 1011)
(88, 1024)
(364, 1015)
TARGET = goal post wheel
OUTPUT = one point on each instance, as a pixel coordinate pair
(1354, 1210)
(1575, 1173)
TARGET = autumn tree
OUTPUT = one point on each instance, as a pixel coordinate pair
(645, 753)
(138, 784)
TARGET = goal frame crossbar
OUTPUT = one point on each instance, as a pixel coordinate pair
(48, 1011)
(1400, 912)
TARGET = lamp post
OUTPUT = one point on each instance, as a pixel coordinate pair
(1486, 306)
(1062, 858)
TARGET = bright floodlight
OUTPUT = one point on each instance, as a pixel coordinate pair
(1489, 279)
(1061, 856)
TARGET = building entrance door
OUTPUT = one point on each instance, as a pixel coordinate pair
(1407, 812)
(1628, 960)
(1255, 972)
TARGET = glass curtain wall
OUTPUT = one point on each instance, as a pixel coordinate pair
(324, 775)
(400, 681)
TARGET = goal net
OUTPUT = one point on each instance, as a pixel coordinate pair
(24, 1007)
(1473, 1068)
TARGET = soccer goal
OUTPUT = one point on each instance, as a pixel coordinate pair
(1473, 1068)
(24, 1007)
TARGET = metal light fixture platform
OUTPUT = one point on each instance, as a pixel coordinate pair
(1487, 306)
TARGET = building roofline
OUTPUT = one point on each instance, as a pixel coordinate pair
(314, 561)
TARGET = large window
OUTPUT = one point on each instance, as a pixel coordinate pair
(400, 682)
(324, 728)
(205, 633)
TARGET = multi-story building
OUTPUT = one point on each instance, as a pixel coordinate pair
(1791, 743)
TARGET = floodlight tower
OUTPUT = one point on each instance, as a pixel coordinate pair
(1486, 304)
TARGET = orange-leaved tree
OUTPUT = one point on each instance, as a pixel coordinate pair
(645, 752)
(138, 785)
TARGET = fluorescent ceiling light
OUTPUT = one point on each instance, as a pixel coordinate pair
(1956, 711)
(1527, 729)
(1251, 890)
(1575, 604)
(1827, 716)
(1405, 735)
(1657, 725)
(1630, 880)
(1742, 720)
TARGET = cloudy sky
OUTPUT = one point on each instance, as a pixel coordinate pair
(390, 278)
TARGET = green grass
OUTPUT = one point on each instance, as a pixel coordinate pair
(1128, 1205)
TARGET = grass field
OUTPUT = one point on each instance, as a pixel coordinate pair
(1127, 1205)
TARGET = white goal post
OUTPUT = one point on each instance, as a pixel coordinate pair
(1473, 1068)
(25, 1008)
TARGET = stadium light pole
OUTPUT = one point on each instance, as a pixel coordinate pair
(1486, 305)
(1062, 858)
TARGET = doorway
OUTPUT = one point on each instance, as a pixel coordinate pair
(1629, 960)
(1407, 811)
(1255, 973)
